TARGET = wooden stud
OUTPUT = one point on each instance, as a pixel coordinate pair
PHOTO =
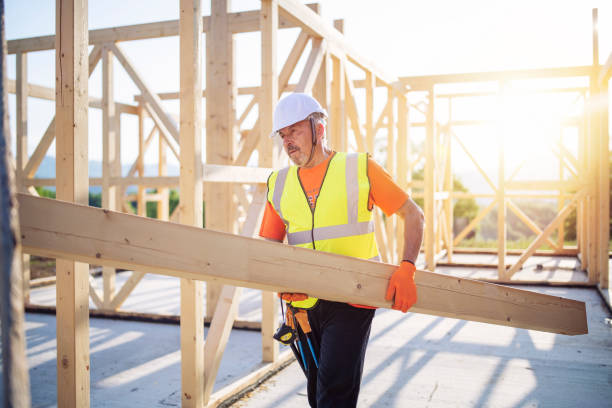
(227, 308)
(603, 210)
(353, 114)
(22, 117)
(501, 200)
(337, 115)
(190, 187)
(220, 124)
(196, 253)
(430, 186)
(269, 151)
(448, 187)
(71, 104)
(391, 168)
(163, 205)
(110, 144)
(401, 159)
(142, 191)
(369, 121)
(21, 92)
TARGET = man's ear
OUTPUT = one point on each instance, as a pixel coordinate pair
(320, 129)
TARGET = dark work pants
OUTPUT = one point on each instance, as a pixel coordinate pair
(339, 337)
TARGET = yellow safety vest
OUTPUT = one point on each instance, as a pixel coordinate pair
(341, 221)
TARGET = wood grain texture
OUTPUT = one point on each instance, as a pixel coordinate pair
(60, 229)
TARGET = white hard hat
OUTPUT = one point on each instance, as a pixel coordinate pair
(294, 108)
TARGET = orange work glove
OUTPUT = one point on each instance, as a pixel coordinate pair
(293, 297)
(401, 285)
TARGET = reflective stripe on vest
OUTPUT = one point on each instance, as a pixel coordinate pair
(341, 222)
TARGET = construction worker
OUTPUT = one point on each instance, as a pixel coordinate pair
(324, 202)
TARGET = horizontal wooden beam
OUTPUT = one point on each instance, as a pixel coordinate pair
(65, 230)
(239, 22)
(423, 82)
(213, 173)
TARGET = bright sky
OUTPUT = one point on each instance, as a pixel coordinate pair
(402, 37)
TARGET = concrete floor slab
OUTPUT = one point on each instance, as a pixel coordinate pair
(427, 361)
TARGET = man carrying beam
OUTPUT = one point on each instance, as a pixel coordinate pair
(324, 202)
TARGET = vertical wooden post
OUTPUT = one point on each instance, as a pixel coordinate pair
(602, 159)
(15, 379)
(321, 90)
(402, 160)
(603, 212)
(593, 143)
(109, 158)
(163, 205)
(370, 85)
(269, 95)
(430, 183)
(190, 185)
(338, 112)
(561, 199)
(221, 92)
(71, 104)
(448, 186)
(501, 200)
(22, 116)
(142, 191)
(22, 147)
(391, 168)
(582, 208)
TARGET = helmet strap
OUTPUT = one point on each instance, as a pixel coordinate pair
(314, 138)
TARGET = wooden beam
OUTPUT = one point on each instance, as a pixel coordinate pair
(430, 183)
(190, 201)
(269, 151)
(422, 82)
(72, 174)
(239, 22)
(60, 229)
(110, 144)
(312, 66)
(353, 114)
(337, 120)
(149, 96)
(501, 186)
(541, 238)
(49, 135)
(220, 124)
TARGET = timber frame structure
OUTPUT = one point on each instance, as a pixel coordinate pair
(235, 193)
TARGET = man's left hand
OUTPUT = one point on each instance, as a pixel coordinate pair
(402, 287)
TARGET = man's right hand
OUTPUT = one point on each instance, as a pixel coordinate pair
(292, 297)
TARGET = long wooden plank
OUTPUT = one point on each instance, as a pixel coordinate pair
(191, 190)
(59, 229)
(268, 149)
(71, 124)
(239, 22)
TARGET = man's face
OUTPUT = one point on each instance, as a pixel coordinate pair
(297, 141)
